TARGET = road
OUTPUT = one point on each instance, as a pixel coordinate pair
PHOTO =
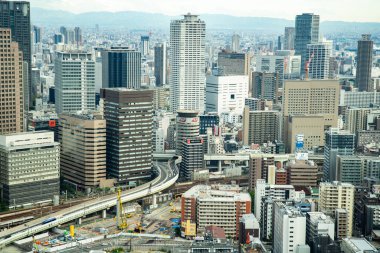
(167, 176)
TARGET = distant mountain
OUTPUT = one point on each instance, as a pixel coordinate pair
(142, 20)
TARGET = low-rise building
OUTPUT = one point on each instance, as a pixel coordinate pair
(209, 205)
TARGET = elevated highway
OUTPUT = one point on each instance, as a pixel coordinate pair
(167, 176)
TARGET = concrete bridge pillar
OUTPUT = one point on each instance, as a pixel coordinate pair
(219, 166)
(79, 221)
(154, 200)
(104, 214)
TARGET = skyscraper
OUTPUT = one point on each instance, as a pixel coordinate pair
(74, 82)
(187, 126)
(15, 15)
(306, 32)
(78, 36)
(121, 67)
(11, 88)
(364, 63)
(319, 56)
(337, 142)
(235, 43)
(289, 38)
(160, 64)
(37, 36)
(187, 63)
(129, 116)
(144, 45)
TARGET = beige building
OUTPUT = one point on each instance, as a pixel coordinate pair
(260, 126)
(11, 85)
(219, 205)
(311, 97)
(83, 149)
(356, 119)
(312, 127)
(161, 98)
(337, 195)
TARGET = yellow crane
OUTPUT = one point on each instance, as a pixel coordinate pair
(121, 218)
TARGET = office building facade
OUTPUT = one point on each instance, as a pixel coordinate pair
(160, 64)
(337, 142)
(74, 82)
(187, 64)
(121, 68)
(15, 15)
(364, 63)
(187, 127)
(289, 37)
(30, 168)
(83, 149)
(318, 55)
(233, 63)
(129, 117)
(192, 158)
(265, 85)
(306, 32)
(226, 93)
(11, 85)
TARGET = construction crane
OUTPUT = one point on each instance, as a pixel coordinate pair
(121, 219)
(307, 65)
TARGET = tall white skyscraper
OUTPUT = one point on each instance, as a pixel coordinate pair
(187, 59)
(74, 82)
(318, 55)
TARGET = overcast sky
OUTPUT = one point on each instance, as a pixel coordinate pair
(344, 10)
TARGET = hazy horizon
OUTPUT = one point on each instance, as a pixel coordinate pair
(351, 10)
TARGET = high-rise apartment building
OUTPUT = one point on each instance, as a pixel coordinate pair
(337, 195)
(36, 33)
(337, 142)
(311, 97)
(160, 64)
(265, 85)
(187, 64)
(289, 231)
(11, 85)
(29, 163)
(121, 68)
(260, 126)
(83, 149)
(226, 93)
(218, 205)
(289, 37)
(364, 64)
(187, 127)
(15, 15)
(129, 117)
(234, 63)
(74, 82)
(318, 55)
(306, 32)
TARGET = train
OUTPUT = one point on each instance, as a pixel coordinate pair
(48, 220)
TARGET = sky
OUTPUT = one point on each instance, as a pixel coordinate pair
(334, 10)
